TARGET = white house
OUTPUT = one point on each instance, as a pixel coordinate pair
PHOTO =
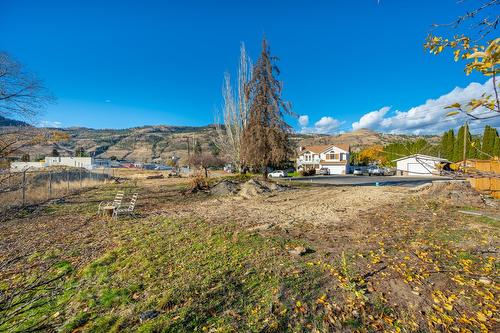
(333, 157)
(76, 162)
(419, 165)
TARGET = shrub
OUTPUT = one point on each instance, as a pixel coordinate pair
(198, 182)
(308, 172)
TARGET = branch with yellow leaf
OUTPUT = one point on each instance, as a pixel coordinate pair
(481, 56)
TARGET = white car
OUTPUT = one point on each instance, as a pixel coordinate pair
(357, 172)
(277, 174)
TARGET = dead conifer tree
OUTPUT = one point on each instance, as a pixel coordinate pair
(266, 136)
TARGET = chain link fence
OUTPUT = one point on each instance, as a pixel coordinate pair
(37, 186)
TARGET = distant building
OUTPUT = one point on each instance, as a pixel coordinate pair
(419, 165)
(52, 161)
(23, 166)
(335, 158)
(102, 163)
(76, 162)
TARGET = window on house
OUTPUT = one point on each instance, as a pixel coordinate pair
(332, 156)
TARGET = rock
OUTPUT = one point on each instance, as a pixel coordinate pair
(148, 315)
(298, 251)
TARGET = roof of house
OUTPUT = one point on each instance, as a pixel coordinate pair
(321, 148)
(425, 157)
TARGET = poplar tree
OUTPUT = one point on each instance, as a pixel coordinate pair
(447, 144)
(266, 136)
(459, 144)
(490, 135)
(496, 149)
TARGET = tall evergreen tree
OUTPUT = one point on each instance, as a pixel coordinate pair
(266, 136)
(459, 144)
(496, 149)
(489, 137)
(476, 149)
(447, 144)
(197, 148)
(450, 144)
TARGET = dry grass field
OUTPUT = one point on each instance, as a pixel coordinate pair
(264, 259)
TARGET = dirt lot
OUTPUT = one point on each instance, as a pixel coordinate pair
(253, 257)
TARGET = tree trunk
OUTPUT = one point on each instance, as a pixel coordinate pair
(206, 172)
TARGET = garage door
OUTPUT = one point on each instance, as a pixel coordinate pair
(417, 169)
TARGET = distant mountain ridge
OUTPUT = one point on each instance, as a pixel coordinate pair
(11, 122)
(161, 142)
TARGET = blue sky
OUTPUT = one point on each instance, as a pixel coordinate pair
(117, 64)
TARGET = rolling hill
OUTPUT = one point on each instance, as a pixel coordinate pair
(161, 142)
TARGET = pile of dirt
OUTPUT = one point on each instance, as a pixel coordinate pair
(253, 188)
(225, 187)
(454, 192)
(249, 189)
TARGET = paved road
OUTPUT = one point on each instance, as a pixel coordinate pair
(347, 180)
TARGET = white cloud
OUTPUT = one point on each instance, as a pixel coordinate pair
(430, 117)
(49, 123)
(326, 125)
(304, 120)
(371, 119)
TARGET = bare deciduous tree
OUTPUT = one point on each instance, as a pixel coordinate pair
(205, 161)
(22, 94)
(235, 113)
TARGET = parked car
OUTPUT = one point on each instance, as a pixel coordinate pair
(229, 168)
(164, 167)
(357, 172)
(324, 171)
(389, 171)
(277, 174)
(375, 171)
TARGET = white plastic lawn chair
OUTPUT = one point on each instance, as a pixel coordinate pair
(116, 203)
(126, 210)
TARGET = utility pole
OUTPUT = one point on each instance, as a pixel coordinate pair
(189, 154)
(466, 130)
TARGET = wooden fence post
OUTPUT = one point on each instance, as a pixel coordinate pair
(24, 187)
(67, 181)
(80, 177)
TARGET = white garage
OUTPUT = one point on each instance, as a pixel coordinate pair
(419, 165)
(336, 168)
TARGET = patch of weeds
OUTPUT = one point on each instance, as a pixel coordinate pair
(34, 303)
(114, 297)
(489, 221)
(108, 323)
(78, 321)
(468, 208)
(450, 235)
